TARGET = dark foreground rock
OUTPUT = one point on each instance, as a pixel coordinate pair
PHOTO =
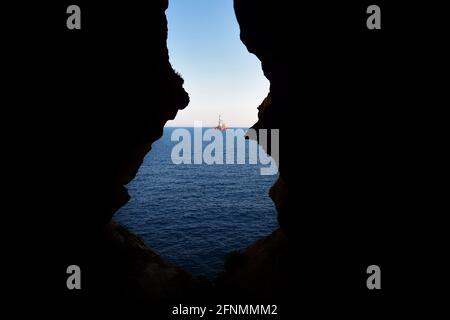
(97, 100)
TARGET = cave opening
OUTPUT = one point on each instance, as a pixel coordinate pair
(195, 214)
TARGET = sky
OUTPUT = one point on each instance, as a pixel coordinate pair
(220, 75)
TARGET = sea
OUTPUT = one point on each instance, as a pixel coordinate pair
(194, 214)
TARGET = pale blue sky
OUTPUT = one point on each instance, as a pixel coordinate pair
(220, 75)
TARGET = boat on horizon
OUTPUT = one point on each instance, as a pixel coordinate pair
(221, 125)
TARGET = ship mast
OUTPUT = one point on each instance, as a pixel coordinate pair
(221, 124)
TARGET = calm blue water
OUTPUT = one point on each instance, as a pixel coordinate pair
(194, 214)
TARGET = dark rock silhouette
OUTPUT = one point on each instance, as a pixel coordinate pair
(264, 31)
(100, 98)
(108, 89)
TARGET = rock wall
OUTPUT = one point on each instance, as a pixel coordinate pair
(105, 93)
(263, 31)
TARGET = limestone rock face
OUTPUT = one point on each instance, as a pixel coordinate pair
(134, 272)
